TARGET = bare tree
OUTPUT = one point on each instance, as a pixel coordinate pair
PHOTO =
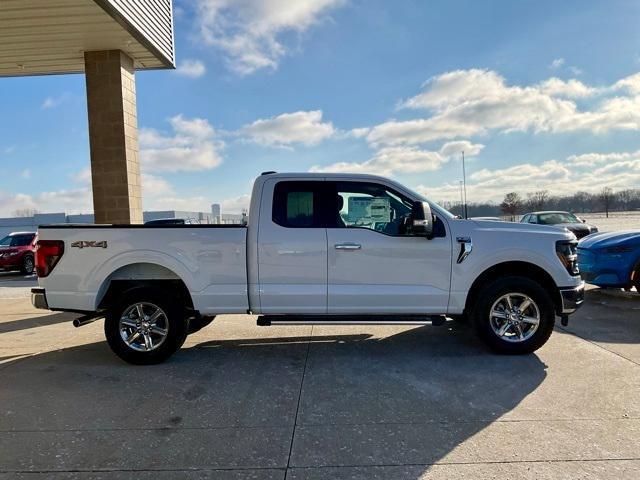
(626, 198)
(511, 204)
(581, 200)
(606, 197)
(538, 199)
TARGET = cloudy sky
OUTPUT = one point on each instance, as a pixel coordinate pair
(539, 94)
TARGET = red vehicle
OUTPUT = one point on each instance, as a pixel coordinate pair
(17, 252)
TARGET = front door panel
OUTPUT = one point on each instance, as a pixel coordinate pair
(387, 274)
(374, 265)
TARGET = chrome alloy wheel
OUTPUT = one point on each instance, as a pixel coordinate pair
(144, 326)
(514, 317)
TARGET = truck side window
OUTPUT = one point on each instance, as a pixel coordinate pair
(296, 204)
(367, 205)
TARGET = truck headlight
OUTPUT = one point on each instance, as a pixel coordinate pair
(567, 253)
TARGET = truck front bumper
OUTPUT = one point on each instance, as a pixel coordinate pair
(39, 298)
(572, 298)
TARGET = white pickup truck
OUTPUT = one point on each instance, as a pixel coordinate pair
(318, 248)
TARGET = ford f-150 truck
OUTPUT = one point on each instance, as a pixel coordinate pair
(318, 248)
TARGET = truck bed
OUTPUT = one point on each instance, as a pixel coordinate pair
(209, 259)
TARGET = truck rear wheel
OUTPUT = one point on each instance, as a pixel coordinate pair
(146, 326)
(514, 315)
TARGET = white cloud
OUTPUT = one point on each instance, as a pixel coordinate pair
(197, 203)
(306, 128)
(403, 159)
(593, 159)
(557, 63)
(77, 200)
(465, 103)
(359, 132)
(451, 149)
(191, 68)
(155, 186)
(250, 32)
(55, 101)
(587, 172)
(236, 204)
(192, 147)
(572, 88)
(575, 70)
(83, 176)
(630, 84)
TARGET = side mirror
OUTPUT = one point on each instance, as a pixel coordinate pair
(421, 220)
(584, 220)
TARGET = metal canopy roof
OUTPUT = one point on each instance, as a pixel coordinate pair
(51, 36)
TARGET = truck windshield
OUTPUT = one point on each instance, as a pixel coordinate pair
(557, 217)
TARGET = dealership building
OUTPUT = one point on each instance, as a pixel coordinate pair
(107, 41)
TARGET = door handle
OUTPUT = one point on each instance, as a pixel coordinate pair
(347, 246)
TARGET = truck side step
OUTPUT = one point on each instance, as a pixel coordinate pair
(272, 320)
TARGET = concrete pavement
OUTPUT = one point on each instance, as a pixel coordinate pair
(241, 401)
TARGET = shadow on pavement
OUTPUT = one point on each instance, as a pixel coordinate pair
(35, 322)
(17, 279)
(607, 318)
(407, 398)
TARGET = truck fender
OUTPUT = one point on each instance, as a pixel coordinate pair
(157, 265)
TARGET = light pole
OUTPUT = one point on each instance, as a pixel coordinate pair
(464, 186)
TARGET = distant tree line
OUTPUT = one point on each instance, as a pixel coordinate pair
(515, 204)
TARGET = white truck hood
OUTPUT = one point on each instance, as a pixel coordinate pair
(514, 228)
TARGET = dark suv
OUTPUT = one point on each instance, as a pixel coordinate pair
(17, 252)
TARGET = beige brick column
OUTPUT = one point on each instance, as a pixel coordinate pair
(113, 137)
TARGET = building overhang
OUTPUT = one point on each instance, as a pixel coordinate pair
(39, 37)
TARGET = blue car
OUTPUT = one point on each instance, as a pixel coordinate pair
(611, 259)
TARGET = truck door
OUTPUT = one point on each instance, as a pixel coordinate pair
(292, 248)
(372, 266)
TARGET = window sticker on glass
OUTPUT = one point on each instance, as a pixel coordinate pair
(369, 210)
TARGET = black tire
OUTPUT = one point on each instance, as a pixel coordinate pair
(27, 265)
(197, 323)
(174, 319)
(636, 278)
(494, 291)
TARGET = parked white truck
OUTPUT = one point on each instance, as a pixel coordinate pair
(318, 248)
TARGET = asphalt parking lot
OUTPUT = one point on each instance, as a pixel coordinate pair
(241, 401)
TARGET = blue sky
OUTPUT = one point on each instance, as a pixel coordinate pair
(540, 95)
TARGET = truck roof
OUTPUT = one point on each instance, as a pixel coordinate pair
(325, 175)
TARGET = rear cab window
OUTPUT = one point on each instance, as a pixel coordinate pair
(298, 204)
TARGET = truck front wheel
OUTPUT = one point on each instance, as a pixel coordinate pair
(514, 315)
(146, 326)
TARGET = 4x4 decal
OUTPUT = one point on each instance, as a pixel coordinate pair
(90, 243)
